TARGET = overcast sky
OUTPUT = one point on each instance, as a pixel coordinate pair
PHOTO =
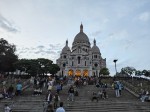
(39, 28)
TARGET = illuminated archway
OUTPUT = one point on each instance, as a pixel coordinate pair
(85, 73)
(78, 73)
(70, 72)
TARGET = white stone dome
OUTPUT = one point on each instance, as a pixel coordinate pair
(81, 36)
(95, 49)
(66, 48)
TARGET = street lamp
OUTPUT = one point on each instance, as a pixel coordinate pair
(115, 60)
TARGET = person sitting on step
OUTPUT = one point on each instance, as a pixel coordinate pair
(100, 94)
(94, 96)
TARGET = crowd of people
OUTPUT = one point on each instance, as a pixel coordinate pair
(10, 91)
(54, 86)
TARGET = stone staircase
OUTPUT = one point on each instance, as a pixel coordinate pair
(126, 103)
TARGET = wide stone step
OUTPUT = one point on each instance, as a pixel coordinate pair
(82, 103)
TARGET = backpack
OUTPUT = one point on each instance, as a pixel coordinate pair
(116, 86)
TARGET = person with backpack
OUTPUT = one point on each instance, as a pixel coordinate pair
(116, 88)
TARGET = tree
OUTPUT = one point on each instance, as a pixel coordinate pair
(128, 71)
(38, 66)
(146, 73)
(104, 71)
(7, 56)
(44, 65)
(54, 69)
(29, 66)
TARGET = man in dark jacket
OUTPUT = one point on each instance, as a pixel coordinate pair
(49, 97)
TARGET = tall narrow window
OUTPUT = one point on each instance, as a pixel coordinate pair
(79, 60)
(85, 63)
(72, 63)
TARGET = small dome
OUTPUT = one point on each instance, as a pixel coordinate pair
(66, 48)
(95, 49)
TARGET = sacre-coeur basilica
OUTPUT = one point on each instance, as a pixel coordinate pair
(81, 59)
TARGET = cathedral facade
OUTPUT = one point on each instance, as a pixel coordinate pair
(81, 59)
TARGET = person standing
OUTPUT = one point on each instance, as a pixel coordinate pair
(18, 89)
(60, 109)
(10, 91)
(120, 87)
(116, 88)
(49, 97)
(71, 93)
(56, 100)
(58, 87)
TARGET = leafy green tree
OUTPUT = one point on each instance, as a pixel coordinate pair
(138, 73)
(104, 71)
(54, 69)
(7, 56)
(128, 70)
(44, 65)
(146, 73)
(38, 66)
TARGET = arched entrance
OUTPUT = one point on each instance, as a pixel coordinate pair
(85, 73)
(78, 73)
(70, 72)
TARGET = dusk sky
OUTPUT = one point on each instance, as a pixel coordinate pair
(40, 28)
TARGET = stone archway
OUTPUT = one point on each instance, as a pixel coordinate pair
(85, 73)
(70, 72)
(78, 73)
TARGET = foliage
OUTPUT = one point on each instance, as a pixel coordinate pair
(38, 66)
(146, 73)
(128, 70)
(131, 71)
(104, 71)
(7, 56)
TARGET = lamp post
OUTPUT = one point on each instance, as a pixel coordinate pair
(115, 60)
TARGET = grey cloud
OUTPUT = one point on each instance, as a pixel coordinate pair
(40, 47)
(50, 52)
(6, 25)
(58, 52)
(20, 52)
(55, 47)
(39, 51)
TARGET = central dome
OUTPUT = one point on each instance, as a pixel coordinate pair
(81, 36)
